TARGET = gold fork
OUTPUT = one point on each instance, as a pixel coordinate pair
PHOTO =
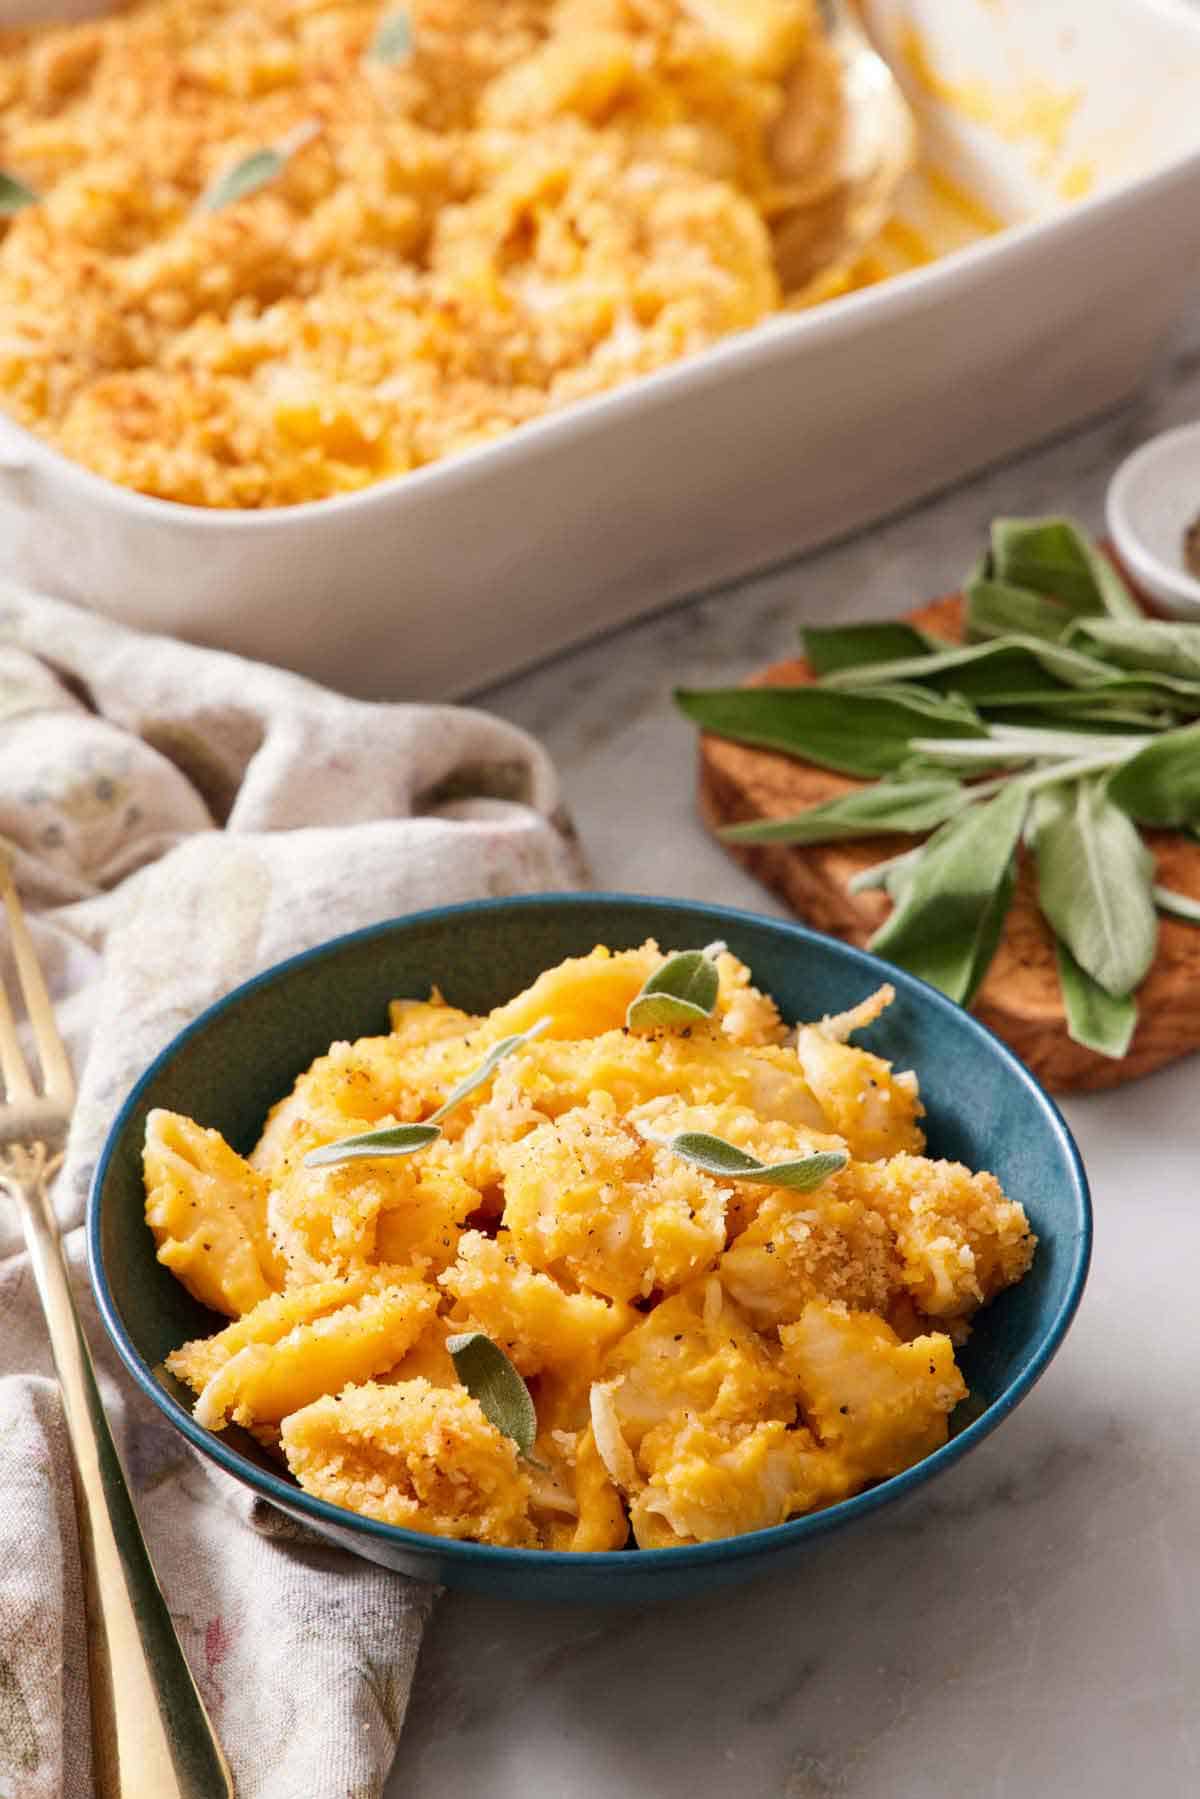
(151, 1736)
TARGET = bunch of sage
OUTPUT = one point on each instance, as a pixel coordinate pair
(1064, 722)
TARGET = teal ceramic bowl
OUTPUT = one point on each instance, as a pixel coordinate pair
(984, 1108)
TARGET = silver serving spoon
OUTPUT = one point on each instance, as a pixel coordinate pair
(877, 149)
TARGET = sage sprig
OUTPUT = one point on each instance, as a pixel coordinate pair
(1064, 722)
(256, 170)
(950, 912)
(724, 1160)
(369, 1146)
(14, 196)
(864, 734)
(889, 806)
(393, 39)
(1057, 559)
(406, 1139)
(682, 991)
(1094, 1018)
(1160, 785)
(489, 1377)
(1094, 883)
(829, 648)
(478, 1076)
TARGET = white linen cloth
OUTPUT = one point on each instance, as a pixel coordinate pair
(180, 819)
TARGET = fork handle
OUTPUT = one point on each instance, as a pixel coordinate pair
(151, 1735)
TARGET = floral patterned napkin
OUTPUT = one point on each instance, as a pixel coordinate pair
(179, 819)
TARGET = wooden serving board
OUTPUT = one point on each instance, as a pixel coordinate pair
(1019, 998)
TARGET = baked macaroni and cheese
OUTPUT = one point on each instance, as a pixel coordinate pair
(707, 1252)
(257, 252)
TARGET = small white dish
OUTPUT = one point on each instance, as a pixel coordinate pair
(1153, 498)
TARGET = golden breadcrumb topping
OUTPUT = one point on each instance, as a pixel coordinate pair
(705, 1355)
(527, 203)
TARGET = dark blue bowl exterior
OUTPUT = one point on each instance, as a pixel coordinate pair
(984, 1108)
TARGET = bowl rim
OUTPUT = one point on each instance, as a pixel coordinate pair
(749, 1545)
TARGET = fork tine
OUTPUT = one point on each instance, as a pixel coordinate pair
(17, 1084)
(56, 1069)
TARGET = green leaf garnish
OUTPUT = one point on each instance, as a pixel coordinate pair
(1154, 645)
(256, 170)
(14, 196)
(682, 991)
(889, 806)
(830, 648)
(489, 1377)
(855, 734)
(1094, 1018)
(948, 921)
(1056, 558)
(395, 1140)
(1005, 665)
(393, 39)
(724, 1160)
(1095, 879)
(994, 609)
(1160, 785)
(499, 1050)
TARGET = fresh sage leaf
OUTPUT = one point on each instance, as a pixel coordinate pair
(393, 40)
(1056, 557)
(1123, 704)
(1094, 1018)
(724, 1160)
(833, 647)
(1179, 905)
(994, 609)
(682, 991)
(499, 1050)
(948, 921)
(1006, 665)
(489, 1377)
(395, 1140)
(888, 806)
(1094, 883)
(14, 196)
(1153, 644)
(241, 179)
(854, 734)
(255, 170)
(1160, 785)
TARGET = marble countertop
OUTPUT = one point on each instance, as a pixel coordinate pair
(1030, 1627)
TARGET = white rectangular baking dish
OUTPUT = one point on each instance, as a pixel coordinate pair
(442, 580)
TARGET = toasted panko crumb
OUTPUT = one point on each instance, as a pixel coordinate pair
(801, 1245)
(536, 1323)
(415, 1455)
(588, 1197)
(264, 1380)
(960, 1238)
